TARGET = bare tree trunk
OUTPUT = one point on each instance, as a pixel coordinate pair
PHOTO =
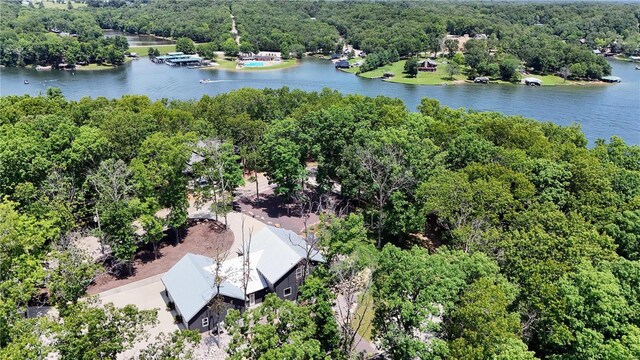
(100, 232)
(380, 222)
(155, 249)
(218, 301)
(257, 188)
(215, 201)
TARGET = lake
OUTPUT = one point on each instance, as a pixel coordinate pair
(138, 40)
(602, 110)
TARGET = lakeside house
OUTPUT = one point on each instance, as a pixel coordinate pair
(481, 80)
(342, 64)
(260, 56)
(277, 264)
(427, 65)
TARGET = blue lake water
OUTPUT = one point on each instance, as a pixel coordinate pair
(601, 110)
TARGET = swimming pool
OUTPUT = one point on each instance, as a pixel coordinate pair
(254, 63)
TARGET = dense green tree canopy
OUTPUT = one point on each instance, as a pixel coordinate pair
(501, 237)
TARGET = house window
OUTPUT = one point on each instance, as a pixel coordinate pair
(299, 272)
(205, 322)
(287, 292)
(252, 299)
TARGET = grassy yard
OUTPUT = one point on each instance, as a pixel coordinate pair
(144, 50)
(549, 80)
(424, 78)
(365, 312)
(440, 77)
(62, 6)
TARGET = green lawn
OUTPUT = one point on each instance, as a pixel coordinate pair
(424, 78)
(144, 50)
(548, 80)
(353, 70)
(366, 313)
(52, 5)
(440, 77)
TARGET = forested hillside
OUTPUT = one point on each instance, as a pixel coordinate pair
(30, 36)
(520, 238)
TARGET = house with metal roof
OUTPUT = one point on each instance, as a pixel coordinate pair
(427, 65)
(277, 263)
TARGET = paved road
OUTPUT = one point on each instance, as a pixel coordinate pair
(146, 294)
(234, 30)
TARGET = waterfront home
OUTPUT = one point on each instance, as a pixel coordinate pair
(342, 64)
(277, 260)
(260, 56)
(481, 80)
(427, 65)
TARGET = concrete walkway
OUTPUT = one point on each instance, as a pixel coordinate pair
(146, 294)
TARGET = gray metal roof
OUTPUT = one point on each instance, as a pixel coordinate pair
(192, 287)
(191, 283)
(283, 249)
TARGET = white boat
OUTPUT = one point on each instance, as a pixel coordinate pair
(206, 81)
(43, 68)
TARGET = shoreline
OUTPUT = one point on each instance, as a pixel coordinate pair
(569, 83)
(96, 67)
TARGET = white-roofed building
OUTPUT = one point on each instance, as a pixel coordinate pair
(277, 263)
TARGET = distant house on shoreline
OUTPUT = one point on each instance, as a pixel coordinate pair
(342, 64)
(427, 65)
(261, 56)
(277, 264)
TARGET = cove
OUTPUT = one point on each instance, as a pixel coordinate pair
(601, 110)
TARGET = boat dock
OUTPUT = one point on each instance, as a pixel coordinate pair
(178, 59)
